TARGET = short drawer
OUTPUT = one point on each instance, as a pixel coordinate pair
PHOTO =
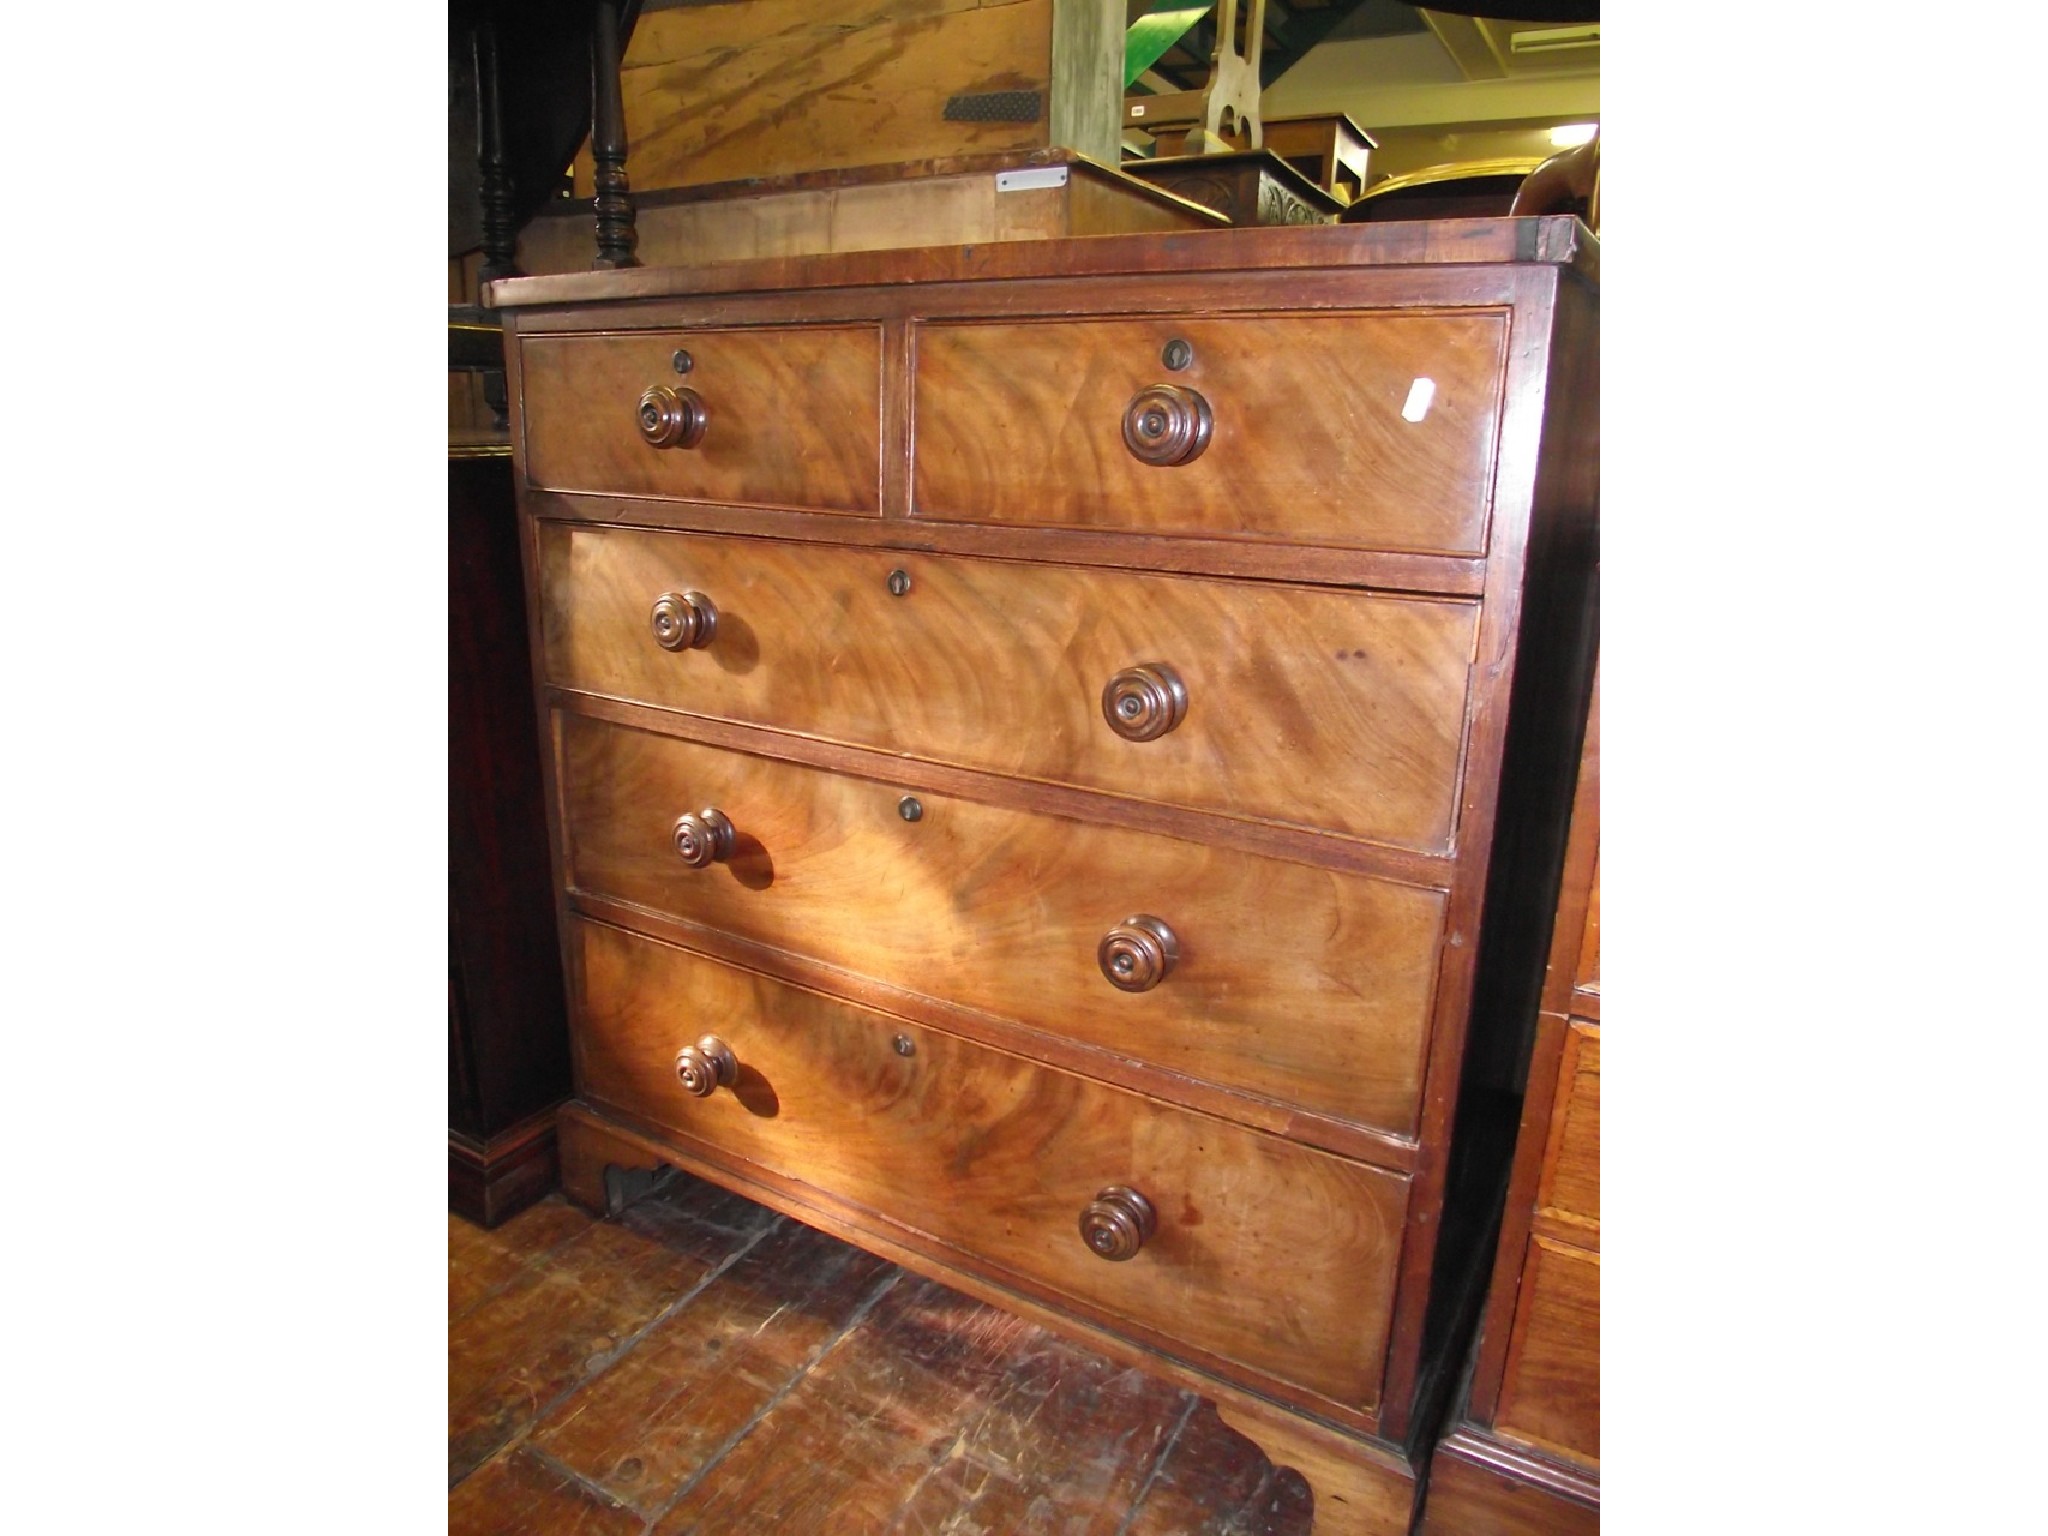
(1363, 430)
(1334, 710)
(790, 416)
(1262, 1252)
(1305, 986)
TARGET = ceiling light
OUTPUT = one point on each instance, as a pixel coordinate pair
(1566, 135)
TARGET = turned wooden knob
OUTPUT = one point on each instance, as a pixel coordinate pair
(703, 1067)
(1138, 953)
(703, 838)
(683, 621)
(1167, 424)
(1117, 1222)
(1144, 702)
(672, 418)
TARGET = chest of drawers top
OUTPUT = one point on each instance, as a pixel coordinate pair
(1060, 720)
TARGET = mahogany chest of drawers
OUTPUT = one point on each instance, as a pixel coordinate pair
(1058, 755)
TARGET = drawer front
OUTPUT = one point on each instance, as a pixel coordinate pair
(793, 416)
(1326, 709)
(1550, 1390)
(1302, 985)
(1571, 1162)
(1265, 1252)
(1370, 431)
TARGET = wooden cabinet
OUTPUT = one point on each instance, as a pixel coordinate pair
(508, 1039)
(1055, 755)
(1523, 1455)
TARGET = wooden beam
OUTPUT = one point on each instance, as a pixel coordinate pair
(1477, 101)
(1088, 77)
(1465, 41)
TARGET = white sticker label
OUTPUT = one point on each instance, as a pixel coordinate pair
(1420, 393)
(1026, 181)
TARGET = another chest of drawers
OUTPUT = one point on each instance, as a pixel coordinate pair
(1055, 754)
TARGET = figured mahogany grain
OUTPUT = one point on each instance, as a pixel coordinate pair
(1307, 707)
(1550, 1390)
(795, 415)
(1266, 1252)
(1307, 986)
(1313, 439)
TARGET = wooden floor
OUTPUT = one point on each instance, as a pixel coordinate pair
(701, 1365)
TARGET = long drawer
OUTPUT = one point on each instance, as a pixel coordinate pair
(1302, 985)
(791, 415)
(1336, 710)
(1363, 430)
(1262, 1252)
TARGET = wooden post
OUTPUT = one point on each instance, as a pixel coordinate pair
(1230, 105)
(495, 177)
(613, 203)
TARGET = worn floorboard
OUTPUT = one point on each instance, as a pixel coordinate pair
(703, 1367)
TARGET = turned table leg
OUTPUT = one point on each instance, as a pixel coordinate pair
(616, 236)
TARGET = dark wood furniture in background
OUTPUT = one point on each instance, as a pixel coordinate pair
(508, 1039)
(520, 102)
(1252, 186)
(1057, 755)
(527, 81)
(1329, 150)
(1523, 1455)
